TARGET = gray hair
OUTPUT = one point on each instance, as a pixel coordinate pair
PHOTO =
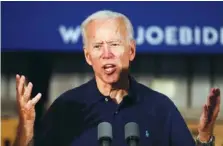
(106, 14)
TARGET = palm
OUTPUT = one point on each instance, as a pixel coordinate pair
(28, 113)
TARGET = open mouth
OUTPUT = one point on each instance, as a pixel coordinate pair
(109, 68)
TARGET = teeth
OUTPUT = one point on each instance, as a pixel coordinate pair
(108, 69)
(109, 65)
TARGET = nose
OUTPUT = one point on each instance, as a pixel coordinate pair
(107, 53)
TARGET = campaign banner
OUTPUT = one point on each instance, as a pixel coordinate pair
(160, 27)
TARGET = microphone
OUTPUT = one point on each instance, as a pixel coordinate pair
(105, 134)
(132, 134)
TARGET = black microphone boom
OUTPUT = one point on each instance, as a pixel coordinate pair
(132, 134)
(105, 134)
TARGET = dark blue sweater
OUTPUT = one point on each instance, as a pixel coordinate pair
(74, 116)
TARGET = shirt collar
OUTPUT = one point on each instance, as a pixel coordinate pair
(97, 96)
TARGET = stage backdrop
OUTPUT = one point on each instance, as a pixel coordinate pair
(160, 27)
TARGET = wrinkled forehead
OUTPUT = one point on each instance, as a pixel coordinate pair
(106, 30)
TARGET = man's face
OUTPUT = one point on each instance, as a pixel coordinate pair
(107, 49)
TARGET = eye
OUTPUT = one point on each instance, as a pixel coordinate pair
(97, 46)
(114, 44)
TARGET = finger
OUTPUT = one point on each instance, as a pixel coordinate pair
(218, 98)
(17, 80)
(213, 105)
(211, 94)
(28, 91)
(217, 107)
(213, 99)
(33, 102)
(29, 105)
(21, 85)
(205, 115)
(17, 85)
(217, 91)
(205, 109)
(36, 98)
(202, 114)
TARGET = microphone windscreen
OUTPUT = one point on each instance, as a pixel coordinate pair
(104, 130)
(131, 130)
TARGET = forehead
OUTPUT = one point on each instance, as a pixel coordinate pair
(106, 29)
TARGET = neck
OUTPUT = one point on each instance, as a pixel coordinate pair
(116, 91)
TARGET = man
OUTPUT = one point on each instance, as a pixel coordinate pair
(112, 96)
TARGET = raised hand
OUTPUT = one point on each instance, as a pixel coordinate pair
(26, 110)
(26, 106)
(209, 115)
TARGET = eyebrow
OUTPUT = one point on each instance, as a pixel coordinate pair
(114, 41)
(98, 43)
(111, 41)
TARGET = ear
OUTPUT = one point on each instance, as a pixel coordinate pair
(87, 56)
(132, 51)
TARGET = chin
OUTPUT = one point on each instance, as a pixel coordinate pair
(111, 79)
